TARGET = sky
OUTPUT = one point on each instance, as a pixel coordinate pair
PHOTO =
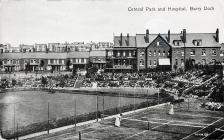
(47, 21)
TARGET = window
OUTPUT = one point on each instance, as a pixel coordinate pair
(182, 53)
(213, 51)
(129, 53)
(154, 63)
(164, 53)
(124, 53)
(141, 53)
(154, 52)
(150, 53)
(118, 53)
(141, 62)
(63, 61)
(192, 52)
(82, 60)
(158, 43)
(203, 61)
(176, 62)
(203, 52)
(197, 42)
(177, 42)
(31, 61)
(182, 62)
(150, 62)
(159, 53)
(49, 62)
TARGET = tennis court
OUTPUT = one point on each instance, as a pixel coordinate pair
(153, 123)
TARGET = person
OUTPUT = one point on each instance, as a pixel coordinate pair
(118, 120)
(1, 137)
(171, 111)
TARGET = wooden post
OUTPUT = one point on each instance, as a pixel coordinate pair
(48, 120)
(97, 108)
(103, 106)
(14, 120)
(80, 135)
(75, 113)
(158, 95)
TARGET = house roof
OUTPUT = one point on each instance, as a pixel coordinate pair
(41, 55)
(98, 53)
(208, 39)
(124, 43)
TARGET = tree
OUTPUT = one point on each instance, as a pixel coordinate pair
(42, 63)
(27, 67)
(44, 81)
(14, 82)
(68, 64)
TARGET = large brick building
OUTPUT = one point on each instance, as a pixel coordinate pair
(167, 51)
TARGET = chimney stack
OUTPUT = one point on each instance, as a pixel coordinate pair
(184, 35)
(217, 35)
(168, 38)
(127, 39)
(121, 40)
(147, 36)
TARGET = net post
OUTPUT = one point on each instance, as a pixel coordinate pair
(17, 131)
(80, 135)
(75, 112)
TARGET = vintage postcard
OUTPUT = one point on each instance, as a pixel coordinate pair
(111, 69)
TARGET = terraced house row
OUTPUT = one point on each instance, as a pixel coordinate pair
(169, 51)
(53, 56)
(165, 51)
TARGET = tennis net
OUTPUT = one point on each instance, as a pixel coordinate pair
(162, 126)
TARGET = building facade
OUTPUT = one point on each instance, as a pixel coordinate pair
(170, 51)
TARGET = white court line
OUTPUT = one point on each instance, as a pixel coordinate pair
(141, 120)
(182, 121)
(135, 134)
(84, 133)
(168, 122)
(217, 129)
(201, 129)
(202, 116)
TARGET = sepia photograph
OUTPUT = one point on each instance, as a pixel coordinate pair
(111, 70)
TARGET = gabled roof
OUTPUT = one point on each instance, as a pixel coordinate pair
(117, 41)
(208, 39)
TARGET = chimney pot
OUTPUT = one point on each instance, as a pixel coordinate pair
(121, 39)
(147, 36)
(184, 35)
(217, 35)
(127, 39)
(168, 38)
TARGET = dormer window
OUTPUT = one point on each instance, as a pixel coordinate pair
(197, 42)
(177, 42)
